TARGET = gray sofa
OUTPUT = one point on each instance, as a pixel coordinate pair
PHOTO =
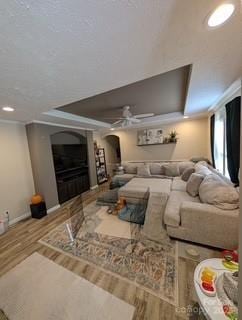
(170, 206)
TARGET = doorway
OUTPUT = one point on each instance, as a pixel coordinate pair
(113, 153)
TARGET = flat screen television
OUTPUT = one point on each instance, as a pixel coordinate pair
(69, 156)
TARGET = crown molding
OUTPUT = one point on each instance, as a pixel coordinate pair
(54, 124)
(73, 117)
(227, 95)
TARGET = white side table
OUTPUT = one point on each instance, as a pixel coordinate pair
(211, 306)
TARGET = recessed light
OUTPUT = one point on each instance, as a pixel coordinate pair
(185, 117)
(111, 129)
(221, 14)
(8, 109)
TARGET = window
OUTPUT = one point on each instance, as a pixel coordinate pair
(220, 149)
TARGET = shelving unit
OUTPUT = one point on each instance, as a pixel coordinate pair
(101, 165)
(155, 144)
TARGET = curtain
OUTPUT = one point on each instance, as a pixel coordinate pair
(212, 122)
(233, 138)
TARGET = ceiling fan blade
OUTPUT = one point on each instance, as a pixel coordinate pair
(143, 115)
(117, 118)
(116, 122)
(135, 120)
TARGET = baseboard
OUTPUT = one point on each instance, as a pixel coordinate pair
(53, 209)
(28, 214)
(22, 217)
(94, 187)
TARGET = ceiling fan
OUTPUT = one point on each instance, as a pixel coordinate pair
(128, 118)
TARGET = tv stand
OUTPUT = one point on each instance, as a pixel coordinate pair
(72, 182)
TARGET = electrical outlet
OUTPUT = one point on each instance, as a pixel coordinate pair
(7, 215)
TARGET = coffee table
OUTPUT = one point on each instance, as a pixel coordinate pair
(211, 306)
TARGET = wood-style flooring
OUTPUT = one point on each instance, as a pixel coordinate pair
(21, 240)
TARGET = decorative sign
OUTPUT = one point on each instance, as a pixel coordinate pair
(149, 137)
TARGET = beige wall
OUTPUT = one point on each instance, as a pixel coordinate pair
(16, 180)
(39, 139)
(193, 141)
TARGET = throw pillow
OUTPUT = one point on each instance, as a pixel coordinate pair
(198, 159)
(143, 170)
(183, 165)
(155, 168)
(194, 183)
(130, 168)
(187, 173)
(199, 168)
(171, 169)
(213, 190)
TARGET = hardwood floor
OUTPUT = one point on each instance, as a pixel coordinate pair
(22, 240)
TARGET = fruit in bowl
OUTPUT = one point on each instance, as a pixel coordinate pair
(207, 279)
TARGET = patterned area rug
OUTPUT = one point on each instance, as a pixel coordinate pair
(145, 263)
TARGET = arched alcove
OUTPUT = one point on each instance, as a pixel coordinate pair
(70, 156)
(112, 149)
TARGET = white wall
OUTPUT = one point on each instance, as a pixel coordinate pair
(16, 180)
(193, 140)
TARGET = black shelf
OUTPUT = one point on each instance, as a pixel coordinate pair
(154, 144)
(101, 166)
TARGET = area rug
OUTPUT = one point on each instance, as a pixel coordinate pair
(146, 264)
(40, 289)
(111, 225)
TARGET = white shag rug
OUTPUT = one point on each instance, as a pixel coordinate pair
(38, 289)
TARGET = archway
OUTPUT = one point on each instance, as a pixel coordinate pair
(70, 158)
(113, 154)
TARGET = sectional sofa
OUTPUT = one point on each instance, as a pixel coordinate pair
(186, 200)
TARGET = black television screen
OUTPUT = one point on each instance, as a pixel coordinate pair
(69, 156)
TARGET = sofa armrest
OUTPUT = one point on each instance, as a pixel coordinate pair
(209, 217)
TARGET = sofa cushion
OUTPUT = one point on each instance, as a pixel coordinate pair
(178, 184)
(213, 190)
(123, 177)
(155, 168)
(171, 169)
(139, 187)
(201, 169)
(183, 165)
(172, 211)
(143, 170)
(187, 173)
(194, 183)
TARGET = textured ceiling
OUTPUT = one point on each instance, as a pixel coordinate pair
(161, 94)
(54, 52)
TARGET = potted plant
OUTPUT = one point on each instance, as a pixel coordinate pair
(173, 136)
